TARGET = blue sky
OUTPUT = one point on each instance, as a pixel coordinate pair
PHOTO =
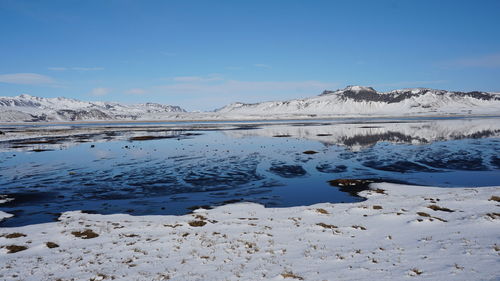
(204, 54)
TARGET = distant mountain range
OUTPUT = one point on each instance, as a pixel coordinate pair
(29, 108)
(353, 101)
(356, 101)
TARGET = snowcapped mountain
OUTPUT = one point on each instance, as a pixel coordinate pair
(30, 108)
(357, 101)
(353, 101)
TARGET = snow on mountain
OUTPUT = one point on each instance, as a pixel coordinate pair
(30, 108)
(357, 101)
(353, 101)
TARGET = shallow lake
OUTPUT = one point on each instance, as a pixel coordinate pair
(171, 168)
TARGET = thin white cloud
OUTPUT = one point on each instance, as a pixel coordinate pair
(135, 91)
(100, 91)
(75, 68)
(236, 87)
(198, 79)
(87, 68)
(27, 79)
(485, 61)
(210, 95)
(262, 65)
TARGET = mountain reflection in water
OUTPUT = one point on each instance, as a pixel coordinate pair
(173, 168)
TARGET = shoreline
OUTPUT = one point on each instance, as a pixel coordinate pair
(312, 119)
(399, 232)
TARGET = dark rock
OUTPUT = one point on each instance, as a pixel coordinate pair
(288, 171)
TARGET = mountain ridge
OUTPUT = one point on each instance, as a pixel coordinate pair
(352, 101)
(361, 100)
(32, 108)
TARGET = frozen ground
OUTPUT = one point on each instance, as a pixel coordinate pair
(398, 233)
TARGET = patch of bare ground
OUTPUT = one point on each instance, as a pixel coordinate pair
(100, 276)
(15, 248)
(322, 211)
(437, 208)
(197, 223)
(423, 214)
(359, 227)
(378, 190)
(415, 272)
(282, 136)
(291, 276)
(310, 152)
(51, 245)
(493, 216)
(13, 235)
(86, 234)
(495, 198)
(328, 226)
(431, 218)
(172, 225)
(377, 207)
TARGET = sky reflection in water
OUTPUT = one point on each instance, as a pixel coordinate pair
(260, 163)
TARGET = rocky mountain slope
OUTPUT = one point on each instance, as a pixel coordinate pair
(355, 101)
(29, 108)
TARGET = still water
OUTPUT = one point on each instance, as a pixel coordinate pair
(146, 169)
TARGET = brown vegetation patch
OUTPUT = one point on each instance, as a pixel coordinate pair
(416, 271)
(431, 218)
(322, 211)
(15, 248)
(377, 207)
(495, 198)
(493, 215)
(291, 275)
(437, 208)
(197, 223)
(172, 225)
(423, 214)
(14, 235)
(359, 227)
(200, 217)
(86, 234)
(328, 226)
(51, 245)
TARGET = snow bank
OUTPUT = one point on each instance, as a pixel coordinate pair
(400, 232)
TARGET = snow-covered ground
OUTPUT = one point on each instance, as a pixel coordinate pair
(399, 233)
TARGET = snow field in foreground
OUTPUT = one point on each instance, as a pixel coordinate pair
(399, 233)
